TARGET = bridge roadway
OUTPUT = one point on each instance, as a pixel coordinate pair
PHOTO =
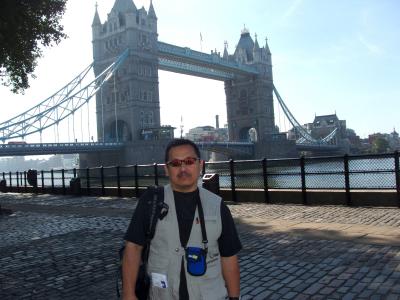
(61, 247)
(228, 148)
(56, 148)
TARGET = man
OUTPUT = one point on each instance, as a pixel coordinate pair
(170, 262)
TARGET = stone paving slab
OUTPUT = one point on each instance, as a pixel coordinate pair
(61, 247)
(356, 233)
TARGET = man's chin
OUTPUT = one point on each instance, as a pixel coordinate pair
(182, 187)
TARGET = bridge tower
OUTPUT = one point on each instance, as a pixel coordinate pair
(129, 102)
(249, 100)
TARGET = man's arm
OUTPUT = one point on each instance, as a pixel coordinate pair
(130, 268)
(231, 274)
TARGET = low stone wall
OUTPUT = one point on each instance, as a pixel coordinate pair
(312, 197)
(317, 197)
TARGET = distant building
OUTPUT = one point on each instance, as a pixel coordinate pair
(321, 127)
(324, 125)
(208, 134)
(392, 138)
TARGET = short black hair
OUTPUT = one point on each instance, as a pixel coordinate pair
(180, 142)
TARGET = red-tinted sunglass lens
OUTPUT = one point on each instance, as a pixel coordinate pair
(189, 161)
(175, 163)
(178, 162)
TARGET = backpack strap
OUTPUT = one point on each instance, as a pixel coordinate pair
(156, 203)
(155, 209)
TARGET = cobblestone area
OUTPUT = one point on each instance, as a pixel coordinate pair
(61, 247)
(376, 216)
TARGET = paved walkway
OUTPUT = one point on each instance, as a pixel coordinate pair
(61, 247)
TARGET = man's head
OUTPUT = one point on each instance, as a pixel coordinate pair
(183, 165)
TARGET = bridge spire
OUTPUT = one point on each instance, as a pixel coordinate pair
(152, 13)
(96, 18)
(256, 46)
(267, 47)
(226, 55)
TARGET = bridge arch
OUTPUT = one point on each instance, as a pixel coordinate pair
(121, 128)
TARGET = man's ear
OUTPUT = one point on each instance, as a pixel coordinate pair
(202, 162)
(166, 170)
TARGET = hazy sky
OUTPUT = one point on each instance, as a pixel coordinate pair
(328, 56)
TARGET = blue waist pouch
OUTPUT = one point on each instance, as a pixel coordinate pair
(196, 261)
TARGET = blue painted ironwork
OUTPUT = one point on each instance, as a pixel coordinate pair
(171, 58)
(194, 70)
(62, 104)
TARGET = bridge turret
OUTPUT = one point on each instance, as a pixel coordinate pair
(96, 33)
(96, 19)
(267, 53)
(249, 98)
(126, 110)
(226, 55)
(257, 51)
(152, 17)
(152, 13)
(244, 49)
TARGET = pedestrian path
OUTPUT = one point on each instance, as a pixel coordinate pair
(64, 247)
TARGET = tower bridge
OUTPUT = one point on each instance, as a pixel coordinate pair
(127, 56)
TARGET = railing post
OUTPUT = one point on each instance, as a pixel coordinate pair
(347, 179)
(232, 171)
(42, 173)
(103, 190)
(155, 174)
(9, 173)
(63, 181)
(303, 180)
(17, 174)
(397, 174)
(118, 182)
(25, 184)
(265, 177)
(52, 180)
(74, 170)
(135, 168)
(88, 181)
(4, 176)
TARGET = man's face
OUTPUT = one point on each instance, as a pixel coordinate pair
(183, 177)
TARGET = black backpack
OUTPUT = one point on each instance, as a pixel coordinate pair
(158, 209)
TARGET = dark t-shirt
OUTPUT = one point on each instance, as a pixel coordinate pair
(185, 203)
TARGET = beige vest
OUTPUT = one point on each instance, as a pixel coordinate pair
(166, 252)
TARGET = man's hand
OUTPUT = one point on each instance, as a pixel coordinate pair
(130, 268)
(231, 274)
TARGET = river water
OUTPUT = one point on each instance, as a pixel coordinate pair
(372, 173)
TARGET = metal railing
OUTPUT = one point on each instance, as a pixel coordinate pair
(346, 173)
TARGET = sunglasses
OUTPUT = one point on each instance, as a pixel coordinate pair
(188, 161)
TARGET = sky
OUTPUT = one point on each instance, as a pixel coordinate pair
(328, 56)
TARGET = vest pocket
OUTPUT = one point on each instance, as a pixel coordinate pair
(214, 291)
(160, 293)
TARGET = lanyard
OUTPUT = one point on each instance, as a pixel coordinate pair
(202, 224)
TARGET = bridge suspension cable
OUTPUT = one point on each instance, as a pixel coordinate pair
(305, 136)
(59, 106)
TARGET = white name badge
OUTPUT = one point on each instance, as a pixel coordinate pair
(159, 280)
